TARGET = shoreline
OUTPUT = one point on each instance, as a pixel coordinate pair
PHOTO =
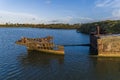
(42, 28)
(47, 26)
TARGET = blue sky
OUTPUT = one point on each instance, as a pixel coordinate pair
(58, 11)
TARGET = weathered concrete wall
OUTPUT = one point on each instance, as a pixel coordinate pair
(93, 45)
(109, 46)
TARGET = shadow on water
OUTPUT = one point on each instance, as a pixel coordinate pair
(106, 68)
(40, 59)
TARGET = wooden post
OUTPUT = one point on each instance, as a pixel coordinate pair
(98, 30)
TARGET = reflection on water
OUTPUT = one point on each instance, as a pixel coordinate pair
(40, 59)
(107, 68)
(72, 67)
(18, 64)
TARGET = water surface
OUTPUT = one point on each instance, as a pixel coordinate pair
(16, 63)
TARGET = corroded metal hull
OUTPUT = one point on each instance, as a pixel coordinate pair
(44, 45)
(57, 52)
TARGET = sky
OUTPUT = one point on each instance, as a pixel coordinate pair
(58, 11)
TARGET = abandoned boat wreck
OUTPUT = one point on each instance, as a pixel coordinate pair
(44, 45)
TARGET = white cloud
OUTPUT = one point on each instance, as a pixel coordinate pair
(13, 17)
(61, 20)
(72, 20)
(108, 3)
(85, 18)
(114, 5)
(103, 3)
(116, 13)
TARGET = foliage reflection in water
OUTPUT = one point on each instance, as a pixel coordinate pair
(18, 64)
(36, 58)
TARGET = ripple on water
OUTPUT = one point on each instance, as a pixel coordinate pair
(17, 64)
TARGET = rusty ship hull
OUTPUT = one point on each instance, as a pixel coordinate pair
(44, 45)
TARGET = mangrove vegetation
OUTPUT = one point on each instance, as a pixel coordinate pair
(108, 26)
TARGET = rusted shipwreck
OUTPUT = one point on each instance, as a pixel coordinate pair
(44, 45)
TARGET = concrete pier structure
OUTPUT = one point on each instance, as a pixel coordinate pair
(105, 45)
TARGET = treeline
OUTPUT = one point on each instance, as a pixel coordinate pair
(52, 26)
(109, 26)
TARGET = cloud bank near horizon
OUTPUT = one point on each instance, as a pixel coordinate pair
(58, 11)
(12, 17)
